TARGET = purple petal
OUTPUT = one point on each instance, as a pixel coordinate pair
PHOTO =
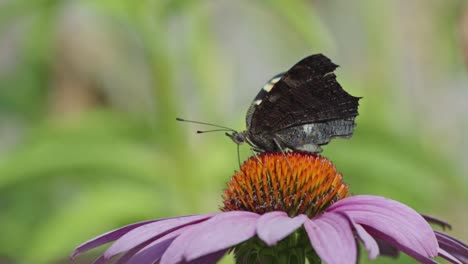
(386, 249)
(152, 254)
(332, 238)
(369, 242)
(449, 257)
(100, 260)
(174, 253)
(149, 231)
(393, 242)
(106, 238)
(453, 246)
(221, 232)
(392, 218)
(436, 221)
(208, 259)
(129, 254)
(218, 233)
(274, 226)
(153, 251)
(404, 235)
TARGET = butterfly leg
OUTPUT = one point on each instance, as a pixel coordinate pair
(255, 152)
(278, 145)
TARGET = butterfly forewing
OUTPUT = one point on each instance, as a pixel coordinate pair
(260, 96)
(307, 93)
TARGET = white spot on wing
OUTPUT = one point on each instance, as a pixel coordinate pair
(275, 80)
(257, 102)
(268, 87)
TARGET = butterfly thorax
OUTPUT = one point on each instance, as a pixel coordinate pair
(261, 142)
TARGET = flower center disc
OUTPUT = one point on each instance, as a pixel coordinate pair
(301, 183)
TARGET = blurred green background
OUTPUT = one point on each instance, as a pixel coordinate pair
(89, 92)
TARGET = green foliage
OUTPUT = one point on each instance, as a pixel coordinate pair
(294, 249)
(67, 176)
(115, 160)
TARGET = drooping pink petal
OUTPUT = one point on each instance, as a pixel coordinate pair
(395, 243)
(385, 249)
(106, 238)
(153, 251)
(392, 218)
(453, 246)
(437, 221)
(175, 252)
(149, 231)
(129, 254)
(403, 234)
(369, 242)
(373, 203)
(218, 233)
(444, 254)
(221, 232)
(152, 254)
(332, 238)
(274, 226)
(209, 259)
(100, 260)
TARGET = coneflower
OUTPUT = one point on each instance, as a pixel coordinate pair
(283, 210)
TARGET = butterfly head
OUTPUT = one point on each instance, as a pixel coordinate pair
(237, 137)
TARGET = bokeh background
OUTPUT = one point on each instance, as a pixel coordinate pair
(89, 92)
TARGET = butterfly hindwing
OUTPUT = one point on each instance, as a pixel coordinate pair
(309, 137)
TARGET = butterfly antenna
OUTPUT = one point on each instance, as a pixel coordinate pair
(207, 124)
(213, 130)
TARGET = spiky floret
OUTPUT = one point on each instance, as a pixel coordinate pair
(301, 183)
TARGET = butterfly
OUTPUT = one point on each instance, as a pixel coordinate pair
(298, 110)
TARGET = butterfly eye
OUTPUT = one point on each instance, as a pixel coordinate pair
(239, 137)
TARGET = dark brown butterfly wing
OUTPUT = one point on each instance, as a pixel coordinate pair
(307, 93)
